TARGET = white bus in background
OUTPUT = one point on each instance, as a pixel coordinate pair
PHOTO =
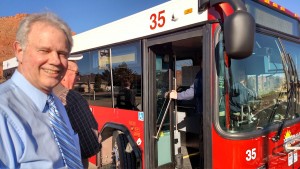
(9, 67)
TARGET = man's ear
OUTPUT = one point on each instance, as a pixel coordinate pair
(18, 51)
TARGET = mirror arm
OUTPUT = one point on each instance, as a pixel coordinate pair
(236, 4)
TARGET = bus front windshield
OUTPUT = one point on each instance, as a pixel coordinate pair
(254, 92)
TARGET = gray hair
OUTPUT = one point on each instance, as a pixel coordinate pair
(50, 18)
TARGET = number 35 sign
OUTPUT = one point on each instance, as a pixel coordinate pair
(250, 154)
(157, 20)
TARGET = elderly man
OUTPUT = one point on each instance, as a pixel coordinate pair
(35, 131)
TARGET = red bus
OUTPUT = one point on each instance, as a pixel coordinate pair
(156, 50)
(250, 58)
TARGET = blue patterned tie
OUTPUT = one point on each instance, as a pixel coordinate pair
(61, 133)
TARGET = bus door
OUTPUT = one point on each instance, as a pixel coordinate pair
(175, 60)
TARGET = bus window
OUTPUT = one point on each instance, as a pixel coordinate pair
(293, 50)
(257, 94)
(98, 67)
(126, 68)
(95, 79)
(269, 18)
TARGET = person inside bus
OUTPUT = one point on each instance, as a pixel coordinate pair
(126, 97)
(240, 95)
(78, 110)
(29, 136)
(194, 91)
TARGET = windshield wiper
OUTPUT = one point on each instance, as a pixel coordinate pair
(290, 98)
(293, 80)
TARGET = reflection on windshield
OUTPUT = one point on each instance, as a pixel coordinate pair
(256, 88)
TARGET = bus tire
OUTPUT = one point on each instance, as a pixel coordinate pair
(122, 152)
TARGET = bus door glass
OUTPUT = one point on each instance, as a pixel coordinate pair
(177, 122)
(188, 124)
(162, 82)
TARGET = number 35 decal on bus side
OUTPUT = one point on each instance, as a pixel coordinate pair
(157, 20)
(251, 154)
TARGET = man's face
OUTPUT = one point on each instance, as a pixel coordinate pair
(43, 62)
(72, 74)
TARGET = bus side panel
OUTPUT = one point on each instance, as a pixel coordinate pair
(255, 152)
(232, 153)
(132, 120)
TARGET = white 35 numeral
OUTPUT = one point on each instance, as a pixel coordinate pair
(251, 154)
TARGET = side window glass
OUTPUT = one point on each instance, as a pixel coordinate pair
(95, 78)
(84, 75)
(126, 73)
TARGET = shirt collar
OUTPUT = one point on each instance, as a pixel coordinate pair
(38, 97)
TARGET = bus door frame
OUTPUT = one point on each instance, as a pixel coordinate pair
(149, 89)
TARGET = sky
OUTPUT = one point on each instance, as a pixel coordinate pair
(82, 15)
(292, 5)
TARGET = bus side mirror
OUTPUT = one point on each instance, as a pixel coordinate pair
(239, 31)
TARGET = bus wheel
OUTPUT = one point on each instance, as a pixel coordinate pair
(122, 152)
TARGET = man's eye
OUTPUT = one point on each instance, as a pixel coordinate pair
(63, 55)
(43, 51)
